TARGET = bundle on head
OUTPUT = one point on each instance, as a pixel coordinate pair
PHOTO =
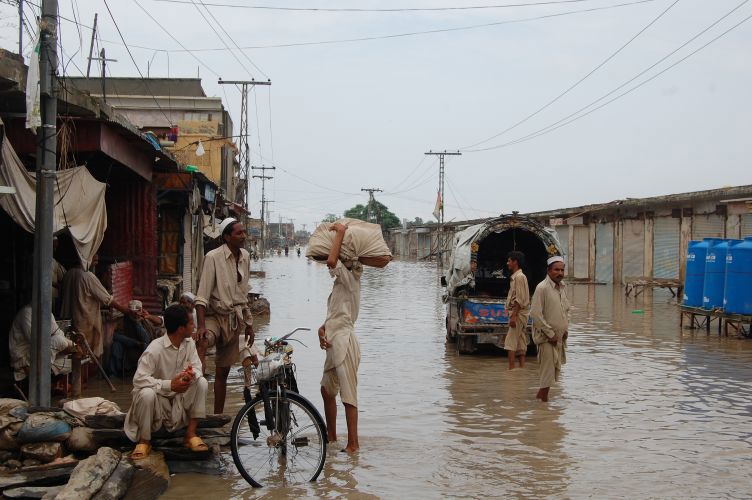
(363, 242)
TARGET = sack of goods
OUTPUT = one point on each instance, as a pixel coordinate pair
(362, 239)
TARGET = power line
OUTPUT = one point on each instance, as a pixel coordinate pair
(232, 52)
(146, 83)
(578, 82)
(566, 120)
(409, 34)
(396, 9)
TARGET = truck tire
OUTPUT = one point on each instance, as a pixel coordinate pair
(451, 339)
(467, 344)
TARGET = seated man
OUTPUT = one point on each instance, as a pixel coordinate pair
(168, 388)
(20, 346)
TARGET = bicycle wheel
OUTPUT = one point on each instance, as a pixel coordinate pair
(280, 445)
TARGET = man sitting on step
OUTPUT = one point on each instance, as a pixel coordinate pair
(169, 389)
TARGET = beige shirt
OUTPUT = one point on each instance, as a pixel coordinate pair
(342, 309)
(161, 361)
(58, 273)
(219, 289)
(519, 293)
(20, 344)
(550, 311)
(82, 295)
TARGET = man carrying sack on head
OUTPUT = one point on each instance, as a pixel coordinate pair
(222, 307)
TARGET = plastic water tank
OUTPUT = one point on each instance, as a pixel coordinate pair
(738, 290)
(715, 274)
(694, 279)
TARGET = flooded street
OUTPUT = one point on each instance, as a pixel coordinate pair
(643, 409)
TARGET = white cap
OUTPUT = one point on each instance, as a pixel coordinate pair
(226, 222)
(555, 258)
(189, 296)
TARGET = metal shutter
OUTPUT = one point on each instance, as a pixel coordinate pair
(581, 251)
(633, 256)
(746, 225)
(666, 239)
(187, 253)
(604, 252)
(708, 226)
(424, 245)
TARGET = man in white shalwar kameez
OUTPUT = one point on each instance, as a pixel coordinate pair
(337, 337)
(169, 389)
(550, 312)
(518, 310)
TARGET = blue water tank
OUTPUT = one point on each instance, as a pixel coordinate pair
(694, 279)
(738, 290)
(715, 274)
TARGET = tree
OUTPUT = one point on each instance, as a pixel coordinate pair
(330, 218)
(379, 212)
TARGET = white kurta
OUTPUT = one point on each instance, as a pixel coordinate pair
(519, 293)
(82, 295)
(343, 357)
(550, 312)
(20, 345)
(154, 404)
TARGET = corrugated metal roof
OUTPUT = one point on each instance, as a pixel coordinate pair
(186, 87)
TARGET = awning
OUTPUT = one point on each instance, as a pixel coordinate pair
(78, 197)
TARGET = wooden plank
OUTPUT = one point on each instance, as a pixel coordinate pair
(53, 476)
(117, 421)
(150, 479)
(32, 491)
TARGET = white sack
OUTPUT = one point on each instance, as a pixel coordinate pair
(362, 239)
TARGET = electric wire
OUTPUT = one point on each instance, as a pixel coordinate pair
(578, 82)
(415, 169)
(146, 83)
(566, 120)
(221, 39)
(385, 10)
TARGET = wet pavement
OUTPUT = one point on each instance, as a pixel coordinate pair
(643, 409)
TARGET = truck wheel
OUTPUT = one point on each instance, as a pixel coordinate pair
(451, 339)
(467, 344)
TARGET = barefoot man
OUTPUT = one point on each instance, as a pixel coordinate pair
(518, 309)
(550, 312)
(168, 388)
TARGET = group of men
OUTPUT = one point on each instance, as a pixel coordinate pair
(549, 309)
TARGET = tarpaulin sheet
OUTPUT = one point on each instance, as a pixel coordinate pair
(78, 197)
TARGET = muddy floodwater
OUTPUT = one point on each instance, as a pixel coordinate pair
(643, 409)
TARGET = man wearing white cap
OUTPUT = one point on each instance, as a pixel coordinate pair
(222, 306)
(550, 312)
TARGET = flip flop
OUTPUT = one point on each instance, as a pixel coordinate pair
(141, 451)
(196, 444)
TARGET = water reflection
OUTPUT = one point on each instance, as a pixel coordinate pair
(643, 409)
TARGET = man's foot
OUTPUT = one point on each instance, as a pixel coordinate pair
(141, 451)
(350, 449)
(195, 444)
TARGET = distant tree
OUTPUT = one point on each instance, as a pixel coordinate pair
(379, 213)
(418, 221)
(330, 218)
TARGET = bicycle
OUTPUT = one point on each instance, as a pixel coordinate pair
(278, 437)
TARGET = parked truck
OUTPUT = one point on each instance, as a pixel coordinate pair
(477, 280)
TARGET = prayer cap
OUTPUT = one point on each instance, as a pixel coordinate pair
(555, 258)
(226, 222)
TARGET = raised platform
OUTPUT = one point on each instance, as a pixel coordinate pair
(700, 318)
(638, 285)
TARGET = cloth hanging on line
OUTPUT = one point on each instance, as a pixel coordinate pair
(78, 198)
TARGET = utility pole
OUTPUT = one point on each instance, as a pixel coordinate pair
(103, 59)
(91, 45)
(244, 157)
(20, 27)
(41, 303)
(263, 178)
(371, 200)
(440, 239)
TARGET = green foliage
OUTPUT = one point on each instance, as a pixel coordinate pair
(330, 218)
(380, 214)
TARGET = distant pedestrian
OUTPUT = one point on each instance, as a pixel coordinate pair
(518, 310)
(550, 312)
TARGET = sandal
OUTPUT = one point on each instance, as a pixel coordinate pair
(196, 444)
(141, 451)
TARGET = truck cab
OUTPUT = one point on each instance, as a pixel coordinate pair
(477, 280)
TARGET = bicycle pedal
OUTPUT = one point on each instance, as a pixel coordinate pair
(300, 441)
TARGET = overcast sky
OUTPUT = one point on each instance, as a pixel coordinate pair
(344, 116)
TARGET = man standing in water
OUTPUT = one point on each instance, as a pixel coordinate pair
(518, 310)
(550, 312)
(222, 307)
(337, 337)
